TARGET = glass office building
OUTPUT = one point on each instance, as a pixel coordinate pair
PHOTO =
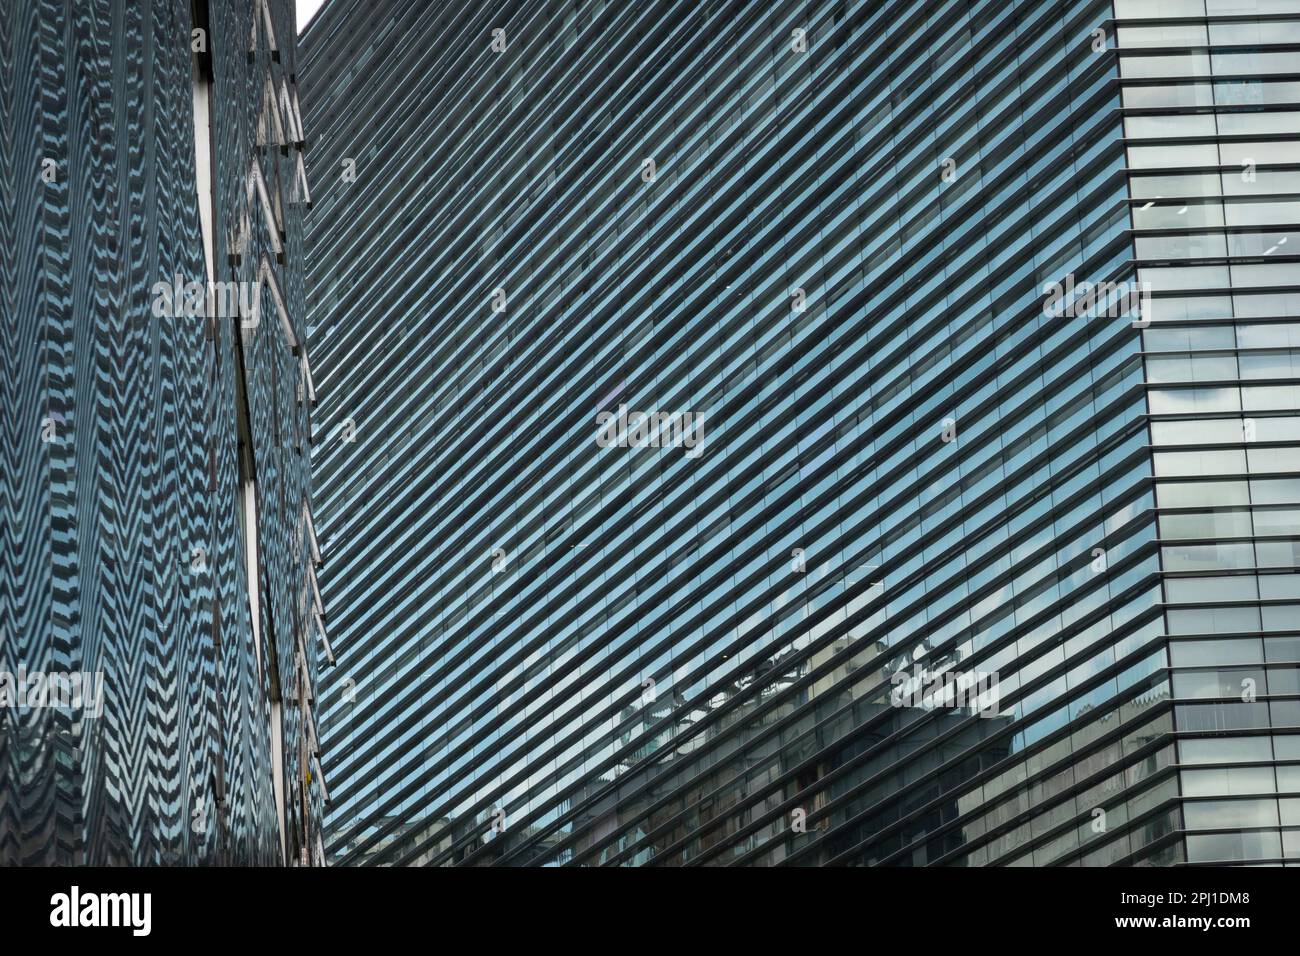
(1212, 133)
(808, 433)
(158, 624)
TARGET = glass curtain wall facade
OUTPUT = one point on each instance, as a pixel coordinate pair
(1211, 92)
(691, 395)
(157, 635)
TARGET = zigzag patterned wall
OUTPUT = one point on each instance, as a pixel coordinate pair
(127, 437)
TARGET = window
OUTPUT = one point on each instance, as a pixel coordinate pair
(1190, 337)
(1169, 95)
(1184, 401)
(1224, 750)
(1218, 683)
(1198, 590)
(1221, 556)
(1224, 814)
(1204, 245)
(1193, 653)
(1179, 214)
(1193, 494)
(1227, 781)
(1173, 34)
(1195, 431)
(1213, 620)
(1205, 524)
(1173, 125)
(1165, 157)
(1178, 64)
(1213, 847)
(1143, 9)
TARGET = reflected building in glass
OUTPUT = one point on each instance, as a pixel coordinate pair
(159, 621)
(712, 395)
